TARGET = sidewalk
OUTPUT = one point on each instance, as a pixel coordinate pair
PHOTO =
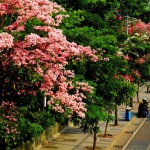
(72, 138)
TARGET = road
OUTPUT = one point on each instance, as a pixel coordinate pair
(141, 140)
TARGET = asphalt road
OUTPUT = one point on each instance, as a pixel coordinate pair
(141, 140)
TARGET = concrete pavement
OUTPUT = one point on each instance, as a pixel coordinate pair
(72, 138)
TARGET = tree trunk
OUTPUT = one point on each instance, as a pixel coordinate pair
(106, 126)
(95, 138)
(137, 93)
(148, 88)
(116, 114)
(131, 103)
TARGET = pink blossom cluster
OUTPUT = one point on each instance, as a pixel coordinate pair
(9, 114)
(126, 57)
(141, 60)
(136, 73)
(105, 59)
(27, 9)
(128, 78)
(58, 108)
(6, 7)
(11, 118)
(8, 107)
(11, 130)
(142, 27)
(84, 86)
(139, 28)
(69, 73)
(72, 102)
(6, 40)
(87, 51)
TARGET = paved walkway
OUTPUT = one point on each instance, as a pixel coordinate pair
(72, 138)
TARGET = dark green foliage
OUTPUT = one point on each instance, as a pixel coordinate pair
(93, 115)
(28, 130)
(43, 118)
(144, 70)
(135, 8)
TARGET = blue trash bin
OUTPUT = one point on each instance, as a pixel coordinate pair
(128, 115)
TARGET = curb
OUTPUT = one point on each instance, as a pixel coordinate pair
(121, 133)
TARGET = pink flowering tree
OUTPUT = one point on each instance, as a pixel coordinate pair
(34, 54)
(39, 52)
(137, 51)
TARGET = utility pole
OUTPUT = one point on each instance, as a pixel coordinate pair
(127, 23)
(127, 31)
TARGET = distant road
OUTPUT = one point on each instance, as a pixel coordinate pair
(141, 140)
